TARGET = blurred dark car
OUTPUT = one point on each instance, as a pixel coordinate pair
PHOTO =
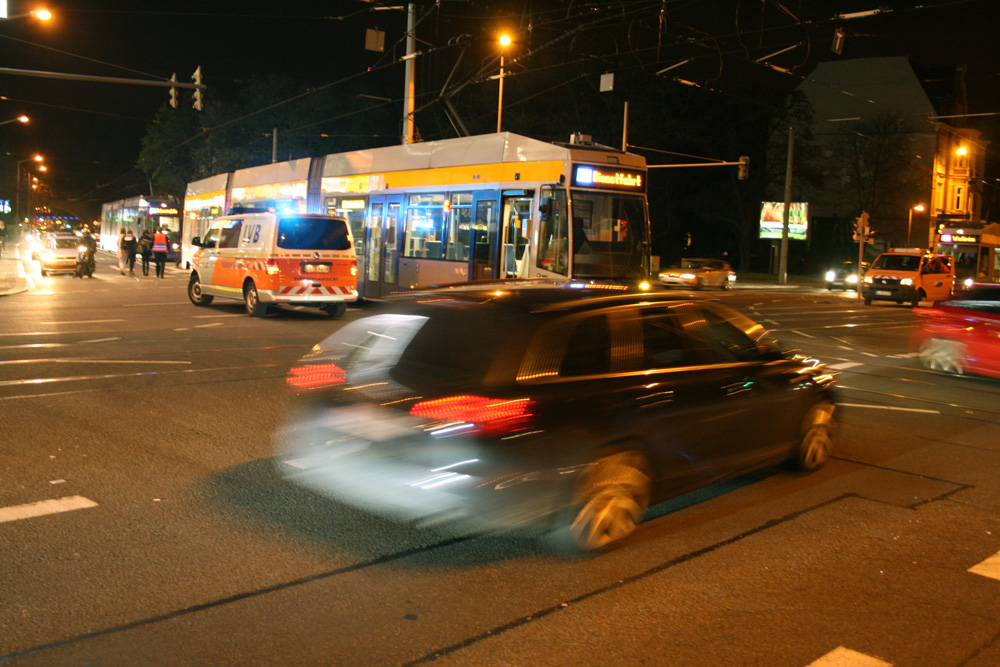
(845, 275)
(566, 407)
(961, 335)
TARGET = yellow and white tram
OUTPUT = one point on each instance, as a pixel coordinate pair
(472, 208)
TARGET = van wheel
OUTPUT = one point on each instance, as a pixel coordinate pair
(917, 298)
(608, 502)
(335, 310)
(254, 307)
(195, 294)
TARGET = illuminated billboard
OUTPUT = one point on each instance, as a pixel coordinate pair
(772, 219)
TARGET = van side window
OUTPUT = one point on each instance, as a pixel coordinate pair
(230, 234)
(214, 234)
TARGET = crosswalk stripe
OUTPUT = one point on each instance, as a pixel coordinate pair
(989, 567)
(44, 507)
(845, 657)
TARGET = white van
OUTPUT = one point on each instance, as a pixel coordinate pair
(267, 258)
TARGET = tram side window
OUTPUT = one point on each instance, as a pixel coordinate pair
(553, 232)
(424, 227)
(456, 241)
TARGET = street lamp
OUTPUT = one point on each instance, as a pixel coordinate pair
(40, 14)
(909, 226)
(20, 119)
(504, 43)
(17, 189)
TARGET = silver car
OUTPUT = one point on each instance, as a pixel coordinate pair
(58, 253)
(695, 273)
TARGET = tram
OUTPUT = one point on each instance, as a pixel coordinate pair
(472, 208)
(976, 252)
(141, 214)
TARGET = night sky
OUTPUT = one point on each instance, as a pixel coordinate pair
(90, 132)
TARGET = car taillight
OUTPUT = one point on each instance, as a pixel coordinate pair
(315, 376)
(272, 267)
(486, 416)
(354, 267)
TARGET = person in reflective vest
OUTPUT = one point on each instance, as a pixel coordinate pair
(160, 250)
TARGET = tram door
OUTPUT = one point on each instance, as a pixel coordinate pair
(382, 250)
(483, 236)
(518, 206)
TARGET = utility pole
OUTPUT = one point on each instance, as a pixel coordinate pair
(409, 87)
(783, 257)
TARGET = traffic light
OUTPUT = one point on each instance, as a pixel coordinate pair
(173, 91)
(744, 164)
(197, 91)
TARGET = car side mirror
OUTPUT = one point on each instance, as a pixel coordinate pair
(196, 241)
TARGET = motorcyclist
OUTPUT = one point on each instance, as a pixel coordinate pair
(87, 240)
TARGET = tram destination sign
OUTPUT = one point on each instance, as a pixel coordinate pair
(609, 178)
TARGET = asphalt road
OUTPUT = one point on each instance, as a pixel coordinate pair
(143, 424)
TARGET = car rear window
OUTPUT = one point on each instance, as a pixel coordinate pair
(301, 233)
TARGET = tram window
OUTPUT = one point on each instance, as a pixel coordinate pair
(456, 239)
(553, 232)
(425, 226)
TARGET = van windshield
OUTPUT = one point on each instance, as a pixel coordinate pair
(897, 262)
(297, 233)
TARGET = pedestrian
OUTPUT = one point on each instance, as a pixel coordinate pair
(145, 249)
(160, 251)
(121, 251)
(130, 243)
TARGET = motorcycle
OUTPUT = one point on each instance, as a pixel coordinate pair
(85, 263)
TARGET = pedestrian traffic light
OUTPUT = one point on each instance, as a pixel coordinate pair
(173, 91)
(744, 165)
(197, 91)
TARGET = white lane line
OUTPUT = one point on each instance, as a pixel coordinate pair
(44, 507)
(70, 360)
(144, 305)
(887, 407)
(844, 366)
(83, 322)
(208, 317)
(869, 354)
(845, 657)
(795, 331)
(101, 340)
(989, 567)
(205, 326)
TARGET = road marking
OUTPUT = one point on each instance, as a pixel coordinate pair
(70, 360)
(101, 340)
(869, 354)
(794, 331)
(887, 407)
(83, 322)
(845, 365)
(205, 326)
(989, 567)
(208, 317)
(845, 657)
(44, 507)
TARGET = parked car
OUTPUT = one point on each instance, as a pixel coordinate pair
(698, 273)
(845, 275)
(961, 335)
(564, 407)
(58, 253)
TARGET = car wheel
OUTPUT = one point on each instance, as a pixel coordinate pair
(195, 294)
(818, 432)
(868, 301)
(252, 301)
(608, 502)
(917, 298)
(335, 310)
(941, 354)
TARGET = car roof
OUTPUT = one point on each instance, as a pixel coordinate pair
(537, 295)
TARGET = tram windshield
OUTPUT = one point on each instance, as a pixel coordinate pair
(609, 236)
